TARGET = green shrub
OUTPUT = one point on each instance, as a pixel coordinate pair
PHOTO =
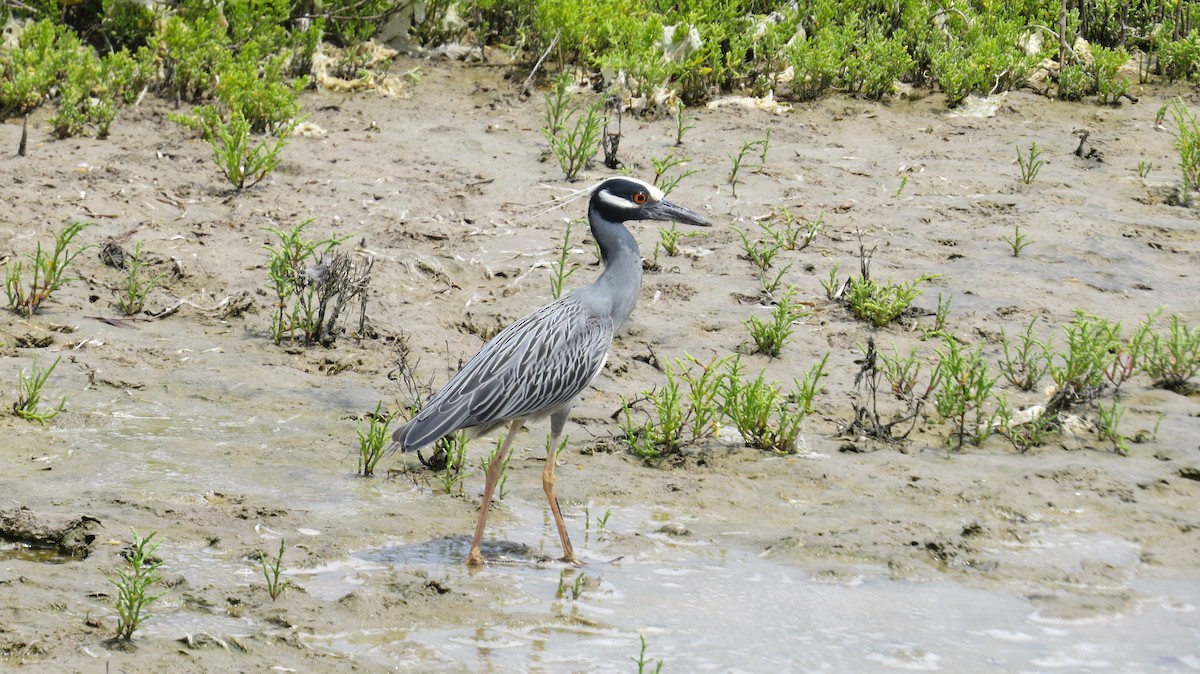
(39, 61)
(1180, 59)
(1074, 82)
(817, 60)
(193, 52)
(876, 65)
(255, 87)
(1110, 87)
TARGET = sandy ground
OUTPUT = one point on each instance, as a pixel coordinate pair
(196, 426)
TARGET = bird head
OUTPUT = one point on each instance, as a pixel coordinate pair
(621, 199)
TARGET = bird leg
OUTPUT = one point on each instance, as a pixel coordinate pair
(548, 485)
(475, 556)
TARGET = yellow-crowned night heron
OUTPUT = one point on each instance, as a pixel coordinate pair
(538, 366)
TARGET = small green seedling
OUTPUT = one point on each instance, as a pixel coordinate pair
(662, 166)
(242, 161)
(1025, 362)
(301, 301)
(132, 584)
(29, 395)
(770, 336)
(564, 267)
(683, 124)
(485, 463)
(882, 303)
(643, 665)
(791, 233)
(1031, 163)
(739, 158)
(450, 458)
(1187, 144)
(558, 103)
(573, 145)
(573, 590)
(272, 570)
(371, 443)
(49, 270)
(131, 295)
(1173, 358)
(679, 416)
(1108, 425)
(1019, 242)
(763, 414)
(1144, 167)
(964, 388)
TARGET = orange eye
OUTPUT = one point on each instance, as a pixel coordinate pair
(640, 198)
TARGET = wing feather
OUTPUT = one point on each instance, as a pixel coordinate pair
(536, 365)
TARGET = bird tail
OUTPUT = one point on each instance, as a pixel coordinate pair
(422, 430)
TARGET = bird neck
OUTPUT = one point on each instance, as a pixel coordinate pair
(621, 280)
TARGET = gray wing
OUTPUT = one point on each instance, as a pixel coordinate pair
(537, 364)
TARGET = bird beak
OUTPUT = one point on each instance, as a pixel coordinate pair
(665, 210)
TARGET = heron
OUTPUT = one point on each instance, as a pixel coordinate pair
(538, 366)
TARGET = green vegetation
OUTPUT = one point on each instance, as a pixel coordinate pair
(643, 665)
(662, 180)
(371, 443)
(242, 161)
(29, 393)
(574, 589)
(1187, 143)
(765, 416)
(131, 294)
(1079, 373)
(245, 61)
(132, 583)
(882, 303)
(574, 136)
(680, 417)
(49, 269)
(770, 336)
(1172, 358)
(272, 568)
(562, 268)
(964, 387)
(485, 462)
(313, 282)
(1024, 363)
(1019, 242)
(1030, 163)
(738, 159)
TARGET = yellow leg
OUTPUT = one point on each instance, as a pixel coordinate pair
(475, 556)
(548, 485)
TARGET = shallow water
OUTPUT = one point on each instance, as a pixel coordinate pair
(706, 607)
(702, 605)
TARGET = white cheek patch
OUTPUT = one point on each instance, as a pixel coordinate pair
(614, 201)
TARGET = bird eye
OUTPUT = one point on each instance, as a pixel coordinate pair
(640, 198)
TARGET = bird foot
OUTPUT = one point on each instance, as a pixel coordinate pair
(476, 558)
